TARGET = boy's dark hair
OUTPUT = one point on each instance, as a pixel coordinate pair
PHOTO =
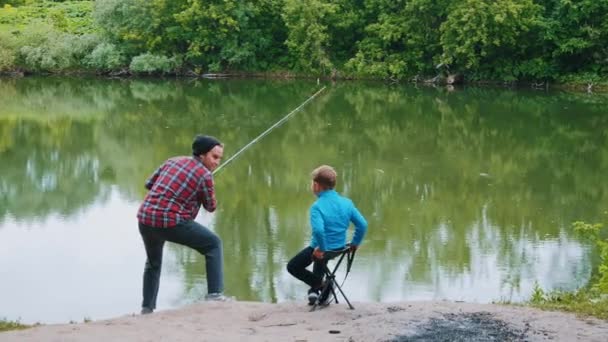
(325, 176)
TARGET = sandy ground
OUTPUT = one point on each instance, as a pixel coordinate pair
(405, 321)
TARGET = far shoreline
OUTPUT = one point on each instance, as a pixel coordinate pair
(576, 87)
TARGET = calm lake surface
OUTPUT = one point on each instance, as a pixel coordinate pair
(470, 194)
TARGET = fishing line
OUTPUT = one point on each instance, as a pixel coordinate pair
(278, 123)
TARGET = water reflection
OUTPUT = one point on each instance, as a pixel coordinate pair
(469, 194)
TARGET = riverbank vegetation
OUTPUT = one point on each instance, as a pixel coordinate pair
(535, 41)
(591, 300)
(6, 325)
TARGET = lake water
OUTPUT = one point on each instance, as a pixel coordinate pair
(470, 194)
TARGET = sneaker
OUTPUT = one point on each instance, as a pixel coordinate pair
(313, 295)
(145, 310)
(325, 297)
(218, 297)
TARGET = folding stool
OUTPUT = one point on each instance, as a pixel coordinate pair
(330, 283)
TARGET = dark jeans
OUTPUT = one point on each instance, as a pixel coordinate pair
(297, 267)
(189, 234)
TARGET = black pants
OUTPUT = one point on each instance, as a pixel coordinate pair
(297, 268)
(190, 234)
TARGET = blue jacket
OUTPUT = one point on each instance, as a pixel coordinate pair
(330, 216)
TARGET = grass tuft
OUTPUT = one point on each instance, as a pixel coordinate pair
(6, 325)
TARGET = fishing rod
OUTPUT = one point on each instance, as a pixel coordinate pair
(278, 123)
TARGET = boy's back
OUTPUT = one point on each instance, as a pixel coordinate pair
(330, 217)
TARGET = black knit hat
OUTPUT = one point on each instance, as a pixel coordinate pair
(203, 144)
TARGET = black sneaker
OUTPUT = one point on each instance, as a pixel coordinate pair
(313, 295)
(146, 311)
(325, 296)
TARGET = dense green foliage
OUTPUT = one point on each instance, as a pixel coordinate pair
(505, 40)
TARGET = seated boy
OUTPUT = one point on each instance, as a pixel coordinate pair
(330, 216)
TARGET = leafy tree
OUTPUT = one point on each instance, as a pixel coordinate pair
(346, 28)
(479, 35)
(128, 22)
(258, 44)
(402, 38)
(308, 39)
(230, 34)
(216, 35)
(577, 31)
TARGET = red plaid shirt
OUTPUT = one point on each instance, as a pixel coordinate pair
(176, 191)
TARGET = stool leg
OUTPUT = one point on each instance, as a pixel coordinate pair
(335, 284)
(343, 295)
(345, 298)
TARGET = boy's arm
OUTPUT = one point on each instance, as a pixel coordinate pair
(318, 226)
(360, 226)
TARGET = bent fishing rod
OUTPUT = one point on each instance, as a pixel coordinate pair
(263, 134)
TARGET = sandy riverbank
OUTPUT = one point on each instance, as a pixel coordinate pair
(404, 321)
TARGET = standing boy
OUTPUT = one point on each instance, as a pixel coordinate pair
(330, 217)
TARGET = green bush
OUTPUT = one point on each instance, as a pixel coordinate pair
(105, 57)
(8, 51)
(152, 64)
(43, 48)
(83, 46)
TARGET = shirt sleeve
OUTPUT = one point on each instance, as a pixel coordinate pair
(152, 179)
(360, 226)
(208, 193)
(318, 226)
